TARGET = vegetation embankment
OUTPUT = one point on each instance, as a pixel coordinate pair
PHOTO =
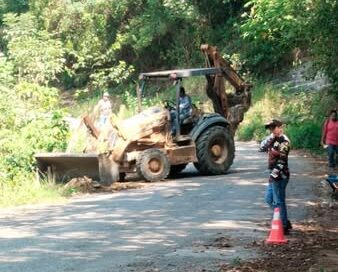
(302, 111)
(78, 49)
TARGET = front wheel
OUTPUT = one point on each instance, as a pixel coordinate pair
(215, 151)
(153, 165)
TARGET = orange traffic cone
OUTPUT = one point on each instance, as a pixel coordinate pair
(276, 234)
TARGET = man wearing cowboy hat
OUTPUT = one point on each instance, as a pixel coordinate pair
(277, 145)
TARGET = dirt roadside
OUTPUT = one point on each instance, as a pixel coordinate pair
(312, 245)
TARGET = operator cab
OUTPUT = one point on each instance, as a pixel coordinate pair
(181, 123)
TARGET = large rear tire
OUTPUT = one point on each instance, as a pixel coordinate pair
(215, 151)
(153, 165)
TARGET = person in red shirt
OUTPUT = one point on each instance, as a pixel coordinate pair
(329, 139)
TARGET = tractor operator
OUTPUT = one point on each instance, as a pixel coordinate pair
(185, 106)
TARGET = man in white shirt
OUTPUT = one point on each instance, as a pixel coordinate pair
(103, 109)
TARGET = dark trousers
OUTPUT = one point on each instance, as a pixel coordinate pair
(332, 155)
(173, 120)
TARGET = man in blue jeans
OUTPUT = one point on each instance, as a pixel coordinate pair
(185, 106)
(278, 147)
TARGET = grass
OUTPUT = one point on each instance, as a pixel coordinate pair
(30, 191)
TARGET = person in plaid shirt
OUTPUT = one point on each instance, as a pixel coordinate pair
(277, 145)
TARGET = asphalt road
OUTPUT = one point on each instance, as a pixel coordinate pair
(188, 224)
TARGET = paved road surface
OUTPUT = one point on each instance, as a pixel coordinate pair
(167, 226)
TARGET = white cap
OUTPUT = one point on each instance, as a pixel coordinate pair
(106, 94)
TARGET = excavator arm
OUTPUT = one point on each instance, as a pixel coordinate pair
(230, 105)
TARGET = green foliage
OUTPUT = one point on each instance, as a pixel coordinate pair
(129, 100)
(30, 122)
(159, 29)
(6, 71)
(104, 42)
(17, 6)
(252, 130)
(271, 30)
(265, 101)
(25, 42)
(305, 134)
(303, 112)
(37, 98)
(323, 33)
(105, 77)
(88, 31)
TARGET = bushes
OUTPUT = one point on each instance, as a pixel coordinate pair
(30, 121)
(272, 28)
(303, 112)
(24, 43)
(252, 130)
(278, 33)
(267, 103)
(305, 134)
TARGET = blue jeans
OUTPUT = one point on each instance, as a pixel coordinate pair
(103, 120)
(332, 151)
(173, 120)
(275, 197)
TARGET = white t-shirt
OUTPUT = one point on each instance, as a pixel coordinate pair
(104, 107)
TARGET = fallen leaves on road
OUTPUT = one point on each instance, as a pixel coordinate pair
(221, 242)
(310, 248)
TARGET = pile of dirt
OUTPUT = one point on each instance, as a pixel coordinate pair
(87, 185)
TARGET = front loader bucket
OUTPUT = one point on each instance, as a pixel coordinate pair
(61, 167)
(108, 169)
